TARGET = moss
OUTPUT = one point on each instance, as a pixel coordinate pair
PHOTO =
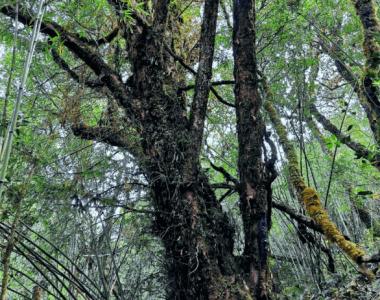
(316, 211)
(366, 10)
(291, 155)
(308, 196)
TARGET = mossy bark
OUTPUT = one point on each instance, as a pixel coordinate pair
(362, 212)
(366, 10)
(306, 195)
(197, 235)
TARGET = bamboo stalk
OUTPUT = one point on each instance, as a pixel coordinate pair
(7, 144)
(8, 89)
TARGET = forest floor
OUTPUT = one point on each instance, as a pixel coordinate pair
(357, 289)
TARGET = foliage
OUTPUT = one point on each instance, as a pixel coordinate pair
(87, 215)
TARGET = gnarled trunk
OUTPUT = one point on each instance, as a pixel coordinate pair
(196, 233)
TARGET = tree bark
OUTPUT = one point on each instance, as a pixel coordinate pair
(197, 235)
(366, 10)
(365, 87)
(254, 190)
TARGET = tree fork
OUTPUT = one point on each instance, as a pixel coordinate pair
(196, 233)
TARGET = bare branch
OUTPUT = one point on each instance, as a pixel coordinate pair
(226, 175)
(117, 138)
(64, 66)
(359, 149)
(104, 40)
(215, 83)
(192, 71)
(204, 73)
(296, 216)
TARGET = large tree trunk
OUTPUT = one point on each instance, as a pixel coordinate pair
(365, 88)
(254, 189)
(366, 10)
(198, 239)
(196, 233)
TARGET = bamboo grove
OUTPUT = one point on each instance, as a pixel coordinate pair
(216, 149)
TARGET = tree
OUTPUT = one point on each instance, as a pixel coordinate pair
(196, 233)
(146, 71)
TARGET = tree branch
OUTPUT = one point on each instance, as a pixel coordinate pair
(192, 71)
(64, 66)
(226, 175)
(204, 74)
(215, 83)
(372, 259)
(78, 47)
(296, 216)
(107, 135)
(104, 40)
(359, 149)
(365, 89)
